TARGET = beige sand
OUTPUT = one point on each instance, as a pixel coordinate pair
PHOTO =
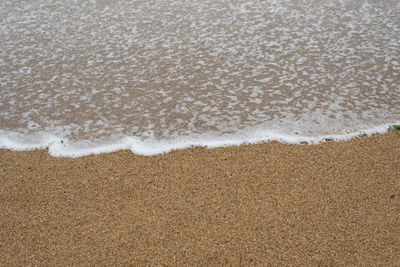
(330, 204)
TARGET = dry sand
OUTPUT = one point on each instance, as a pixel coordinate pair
(330, 204)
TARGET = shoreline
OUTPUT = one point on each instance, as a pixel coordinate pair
(336, 203)
(61, 147)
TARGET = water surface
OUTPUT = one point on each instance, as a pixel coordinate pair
(92, 73)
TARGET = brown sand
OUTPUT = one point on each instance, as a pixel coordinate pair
(330, 204)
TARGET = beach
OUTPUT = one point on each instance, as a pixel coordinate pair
(337, 203)
(199, 133)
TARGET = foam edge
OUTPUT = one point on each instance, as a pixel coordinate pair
(62, 147)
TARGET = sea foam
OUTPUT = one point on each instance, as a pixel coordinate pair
(61, 147)
(87, 77)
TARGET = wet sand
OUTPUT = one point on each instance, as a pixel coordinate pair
(332, 204)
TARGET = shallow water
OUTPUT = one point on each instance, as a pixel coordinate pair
(140, 74)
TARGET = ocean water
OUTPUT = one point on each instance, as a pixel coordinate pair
(84, 77)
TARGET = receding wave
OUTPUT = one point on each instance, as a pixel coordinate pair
(86, 77)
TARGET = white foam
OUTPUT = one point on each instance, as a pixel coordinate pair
(62, 147)
(20, 142)
(271, 67)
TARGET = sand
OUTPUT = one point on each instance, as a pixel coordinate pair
(337, 203)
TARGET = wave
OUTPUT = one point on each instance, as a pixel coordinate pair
(62, 147)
